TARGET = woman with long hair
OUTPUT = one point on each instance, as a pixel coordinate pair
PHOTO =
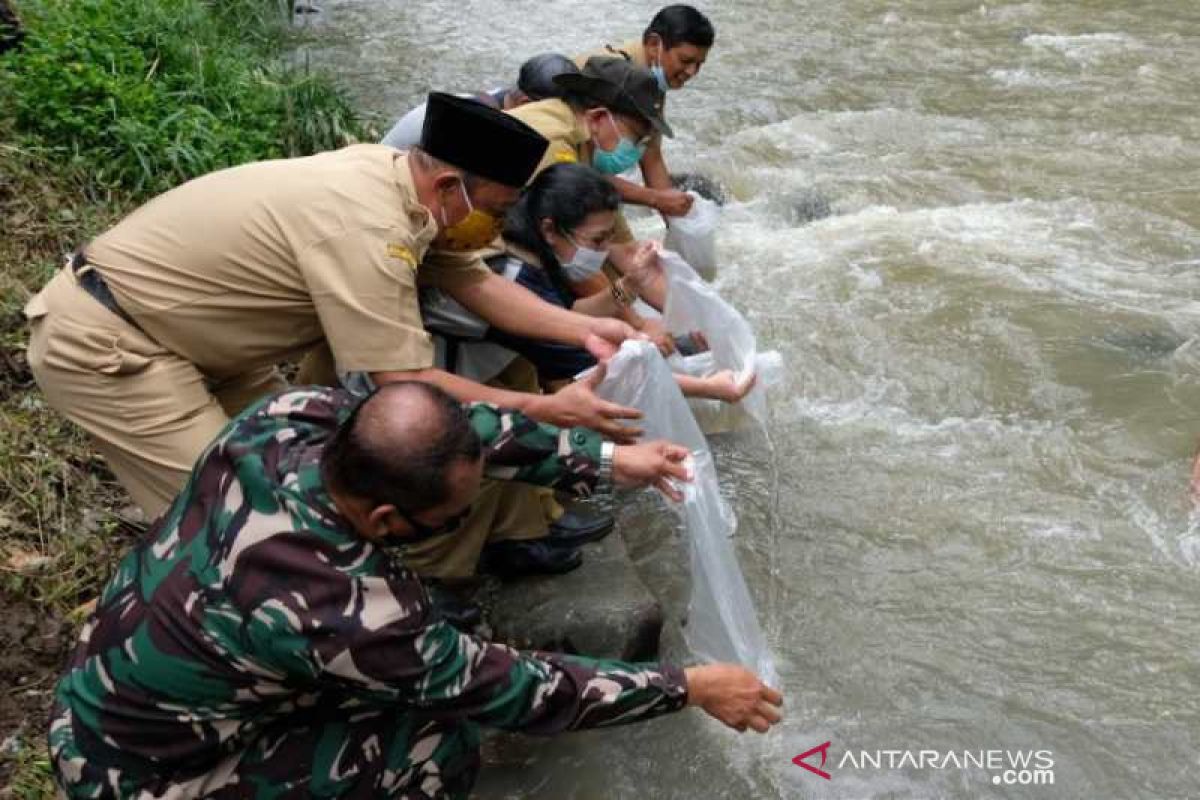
(558, 235)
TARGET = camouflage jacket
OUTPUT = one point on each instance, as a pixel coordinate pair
(252, 599)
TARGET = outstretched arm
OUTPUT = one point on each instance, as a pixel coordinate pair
(513, 308)
(576, 405)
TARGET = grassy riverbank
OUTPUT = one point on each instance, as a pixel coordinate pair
(107, 103)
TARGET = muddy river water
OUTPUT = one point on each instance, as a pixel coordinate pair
(974, 533)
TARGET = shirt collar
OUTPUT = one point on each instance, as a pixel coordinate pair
(424, 226)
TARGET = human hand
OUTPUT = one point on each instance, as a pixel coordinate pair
(725, 386)
(577, 405)
(651, 464)
(641, 265)
(734, 695)
(605, 335)
(673, 202)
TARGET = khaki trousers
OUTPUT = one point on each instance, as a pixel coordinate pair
(149, 411)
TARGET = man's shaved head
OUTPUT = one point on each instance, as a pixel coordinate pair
(399, 445)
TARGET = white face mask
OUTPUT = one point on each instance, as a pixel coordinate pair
(585, 263)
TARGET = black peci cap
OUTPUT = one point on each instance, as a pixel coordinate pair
(536, 78)
(481, 140)
(622, 87)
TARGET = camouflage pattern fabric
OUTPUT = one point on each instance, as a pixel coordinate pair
(254, 646)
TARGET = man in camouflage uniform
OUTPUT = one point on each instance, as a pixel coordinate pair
(261, 642)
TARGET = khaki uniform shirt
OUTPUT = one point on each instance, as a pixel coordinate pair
(555, 120)
(635, 51)
(251, 265)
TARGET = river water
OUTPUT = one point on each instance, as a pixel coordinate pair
(974, 533)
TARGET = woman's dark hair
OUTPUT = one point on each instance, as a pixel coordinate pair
(681, 24)
(566, 194)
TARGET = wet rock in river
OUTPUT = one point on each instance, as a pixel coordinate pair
(703, 185)
(807, 205)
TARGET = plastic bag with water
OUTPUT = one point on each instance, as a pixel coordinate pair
(694, 235)
(722, 624)
(694, 305)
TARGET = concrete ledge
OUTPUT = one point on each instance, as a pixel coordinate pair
(603, 609)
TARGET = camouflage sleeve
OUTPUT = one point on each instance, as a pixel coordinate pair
(539, 693)
(518, 448)
(351, 619)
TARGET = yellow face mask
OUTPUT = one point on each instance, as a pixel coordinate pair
(476, 231)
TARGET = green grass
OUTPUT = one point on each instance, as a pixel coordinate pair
(31, 778)
(56, 497)
(110, 102)
(141, 95)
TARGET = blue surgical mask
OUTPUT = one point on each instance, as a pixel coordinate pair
(624, 156)
(585, 263)
(614, 162)
(660, 75)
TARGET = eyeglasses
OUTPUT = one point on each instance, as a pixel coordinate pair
(422, 532)
(642, 142)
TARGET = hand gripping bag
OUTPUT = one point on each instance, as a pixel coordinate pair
(722, 624)
(694, 235)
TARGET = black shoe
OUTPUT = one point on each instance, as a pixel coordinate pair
(455, 608)
(576, 528)
(515, 559)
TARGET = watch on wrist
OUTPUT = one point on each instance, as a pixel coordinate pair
(604, 478)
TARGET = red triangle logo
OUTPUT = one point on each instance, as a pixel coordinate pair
(823, 749)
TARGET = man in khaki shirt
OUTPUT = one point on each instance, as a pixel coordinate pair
(673, 48)
(173, 320)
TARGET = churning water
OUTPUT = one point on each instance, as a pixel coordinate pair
(972, 229)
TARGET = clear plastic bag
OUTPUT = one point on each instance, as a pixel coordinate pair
(722, 625)
(694, 235)
(694, 305)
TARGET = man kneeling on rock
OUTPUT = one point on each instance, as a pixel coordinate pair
(262, 642)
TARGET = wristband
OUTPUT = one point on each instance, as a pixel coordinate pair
(622, 293)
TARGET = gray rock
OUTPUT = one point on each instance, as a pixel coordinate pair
(703, 185)
(808, 205)
(601, 610)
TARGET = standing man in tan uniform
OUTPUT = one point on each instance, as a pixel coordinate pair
(173, 320)
(673, 47)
